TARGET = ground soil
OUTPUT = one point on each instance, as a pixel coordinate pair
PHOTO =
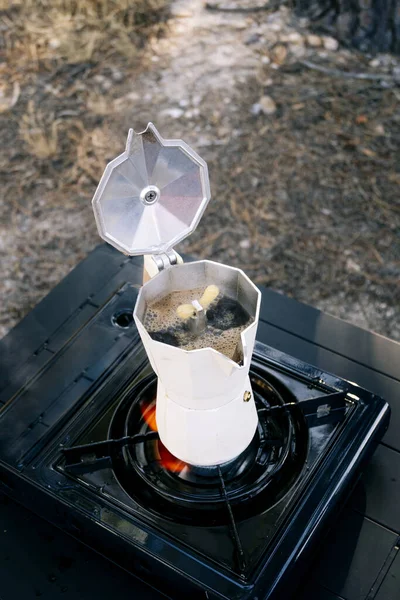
(304, 163)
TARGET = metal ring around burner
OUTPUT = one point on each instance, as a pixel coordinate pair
(254, 481)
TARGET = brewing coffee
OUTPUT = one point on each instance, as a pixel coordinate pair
(225, 320)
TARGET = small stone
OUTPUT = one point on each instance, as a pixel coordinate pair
(117, 75)
(245, 244)
(326, 211)
(184, 102)
(352, 266)
(132, 96)
(223, 132)
(275, 26)
(294, 38)
(314, 41)
(263, 79)
(174, 113)
(106, 85)
(270, 37)
(279, 54)
(239, 25)
(267, 105)
(253, 38)
(379, 129)
(192, 113)
(297, 50)
(330, 43)
(54, 43)
(375, 62)
(396, 73)
(265, 60)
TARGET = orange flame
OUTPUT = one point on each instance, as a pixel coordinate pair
(168, 460)
(149, 415)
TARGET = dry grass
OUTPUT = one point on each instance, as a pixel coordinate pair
(65, 75)
(44, 42)
(9, 95)
(92, 148)
(41, 32)
(39, 132)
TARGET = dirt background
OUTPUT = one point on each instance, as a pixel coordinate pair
(301, 137)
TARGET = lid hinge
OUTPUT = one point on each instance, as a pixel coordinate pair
(154, 263)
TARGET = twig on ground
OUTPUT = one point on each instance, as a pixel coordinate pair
(227, 6)
(346, 74)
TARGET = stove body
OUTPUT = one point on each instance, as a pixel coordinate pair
(236, 537)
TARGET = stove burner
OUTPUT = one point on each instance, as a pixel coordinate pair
(247, 485)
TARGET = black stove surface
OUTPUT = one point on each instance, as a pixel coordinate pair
(95, 467)
(193, 508)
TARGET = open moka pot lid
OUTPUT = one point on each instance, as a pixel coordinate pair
(152, 196)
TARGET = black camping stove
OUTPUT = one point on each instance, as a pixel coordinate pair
(79, 446)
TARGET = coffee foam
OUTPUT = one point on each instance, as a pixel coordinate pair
(161, 319)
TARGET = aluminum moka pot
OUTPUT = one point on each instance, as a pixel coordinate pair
(149, 198)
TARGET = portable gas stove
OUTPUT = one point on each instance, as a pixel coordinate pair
(79, 445)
